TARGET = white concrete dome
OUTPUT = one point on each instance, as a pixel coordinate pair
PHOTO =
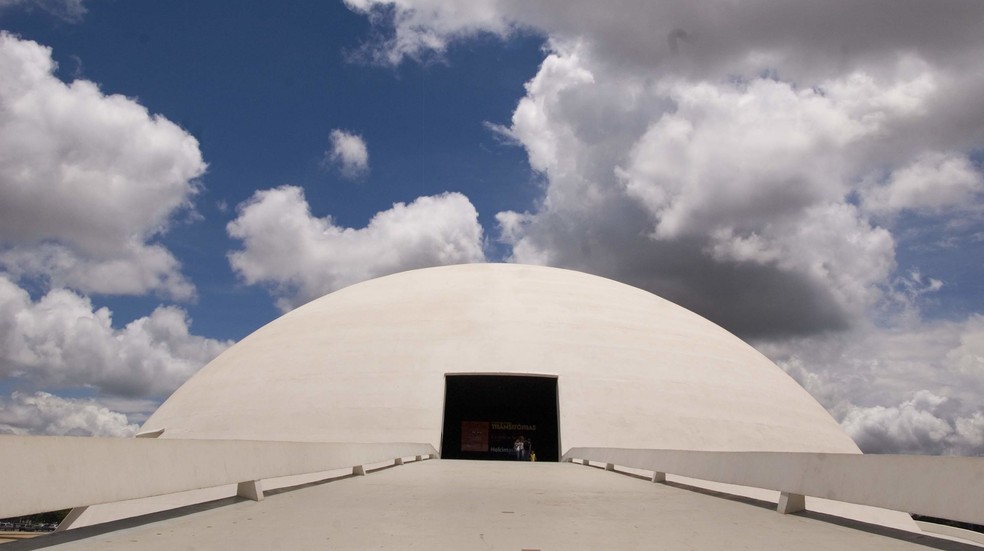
(368, 364)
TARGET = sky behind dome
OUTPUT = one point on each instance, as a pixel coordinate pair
(174, 175)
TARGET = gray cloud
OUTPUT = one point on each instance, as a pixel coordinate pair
(610, 240)
(719, 33)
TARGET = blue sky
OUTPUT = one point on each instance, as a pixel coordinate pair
(245, 91)
(809, 177)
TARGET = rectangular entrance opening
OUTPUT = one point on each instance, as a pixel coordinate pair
(490, 416)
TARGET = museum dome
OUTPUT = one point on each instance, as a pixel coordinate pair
(375, 362)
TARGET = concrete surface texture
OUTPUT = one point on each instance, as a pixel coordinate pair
(447, 504)
(368, 364)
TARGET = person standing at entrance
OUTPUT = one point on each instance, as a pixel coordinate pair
(519, 446)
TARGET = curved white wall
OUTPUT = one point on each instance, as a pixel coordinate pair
(367, 364)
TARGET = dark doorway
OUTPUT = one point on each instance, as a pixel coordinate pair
(485, 416)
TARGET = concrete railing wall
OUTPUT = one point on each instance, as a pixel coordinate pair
(944, 487)
(49, 473)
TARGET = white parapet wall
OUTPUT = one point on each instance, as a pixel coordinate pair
(944, 487)
(48, 473)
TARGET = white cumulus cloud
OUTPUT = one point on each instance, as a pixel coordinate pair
(68, 10)
(47, 414)
(423, 27)
(349, 152)
(912, 389)
(87, 181)
(303, 257)
(132, 270)
(930, 183)
(730, 198)
(61, 341)
(916, 426)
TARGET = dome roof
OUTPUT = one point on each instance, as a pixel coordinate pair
(368, 364)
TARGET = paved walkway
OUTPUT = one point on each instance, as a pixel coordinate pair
(494, 505)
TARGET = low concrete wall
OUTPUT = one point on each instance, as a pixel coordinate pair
(944, 487)
(951, 531)
(48, 473)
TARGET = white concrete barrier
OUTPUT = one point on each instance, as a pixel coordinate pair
(48, 473)
(943, 487)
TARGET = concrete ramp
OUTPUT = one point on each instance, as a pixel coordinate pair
(449, 504)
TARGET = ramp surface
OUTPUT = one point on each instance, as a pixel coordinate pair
(446, 504)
